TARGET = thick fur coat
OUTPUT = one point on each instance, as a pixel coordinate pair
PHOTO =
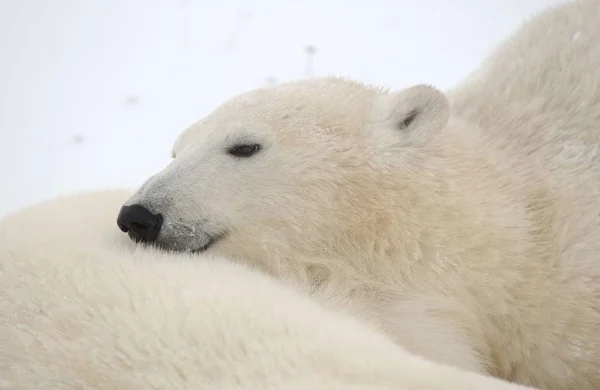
(82, 308)
(466, 225)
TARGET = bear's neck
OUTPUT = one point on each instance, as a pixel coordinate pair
(454, 209)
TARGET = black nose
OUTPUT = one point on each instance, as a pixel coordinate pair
(141, 224)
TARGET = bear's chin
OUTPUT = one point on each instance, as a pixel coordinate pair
(172, 245)
(205, 247)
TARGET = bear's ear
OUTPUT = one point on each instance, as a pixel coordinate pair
(412, 116)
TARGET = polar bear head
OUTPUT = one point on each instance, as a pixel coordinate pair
(308, 168)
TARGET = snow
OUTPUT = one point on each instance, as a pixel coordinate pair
(93, 93)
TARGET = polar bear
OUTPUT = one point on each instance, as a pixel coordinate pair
(81, 308)
(465, 225)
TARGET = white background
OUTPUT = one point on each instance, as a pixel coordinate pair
(94, 92)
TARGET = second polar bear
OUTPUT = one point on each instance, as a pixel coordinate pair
(466, 226)
(83, 308)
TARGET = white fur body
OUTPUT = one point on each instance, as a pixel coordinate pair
(466, 227)
(82, 308)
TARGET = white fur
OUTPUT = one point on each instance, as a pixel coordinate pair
(82, 308)
(469, 233)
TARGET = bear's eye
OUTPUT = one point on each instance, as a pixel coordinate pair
(245, 150)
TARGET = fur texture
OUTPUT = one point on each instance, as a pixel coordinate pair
(82, 308)
(465, 226)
